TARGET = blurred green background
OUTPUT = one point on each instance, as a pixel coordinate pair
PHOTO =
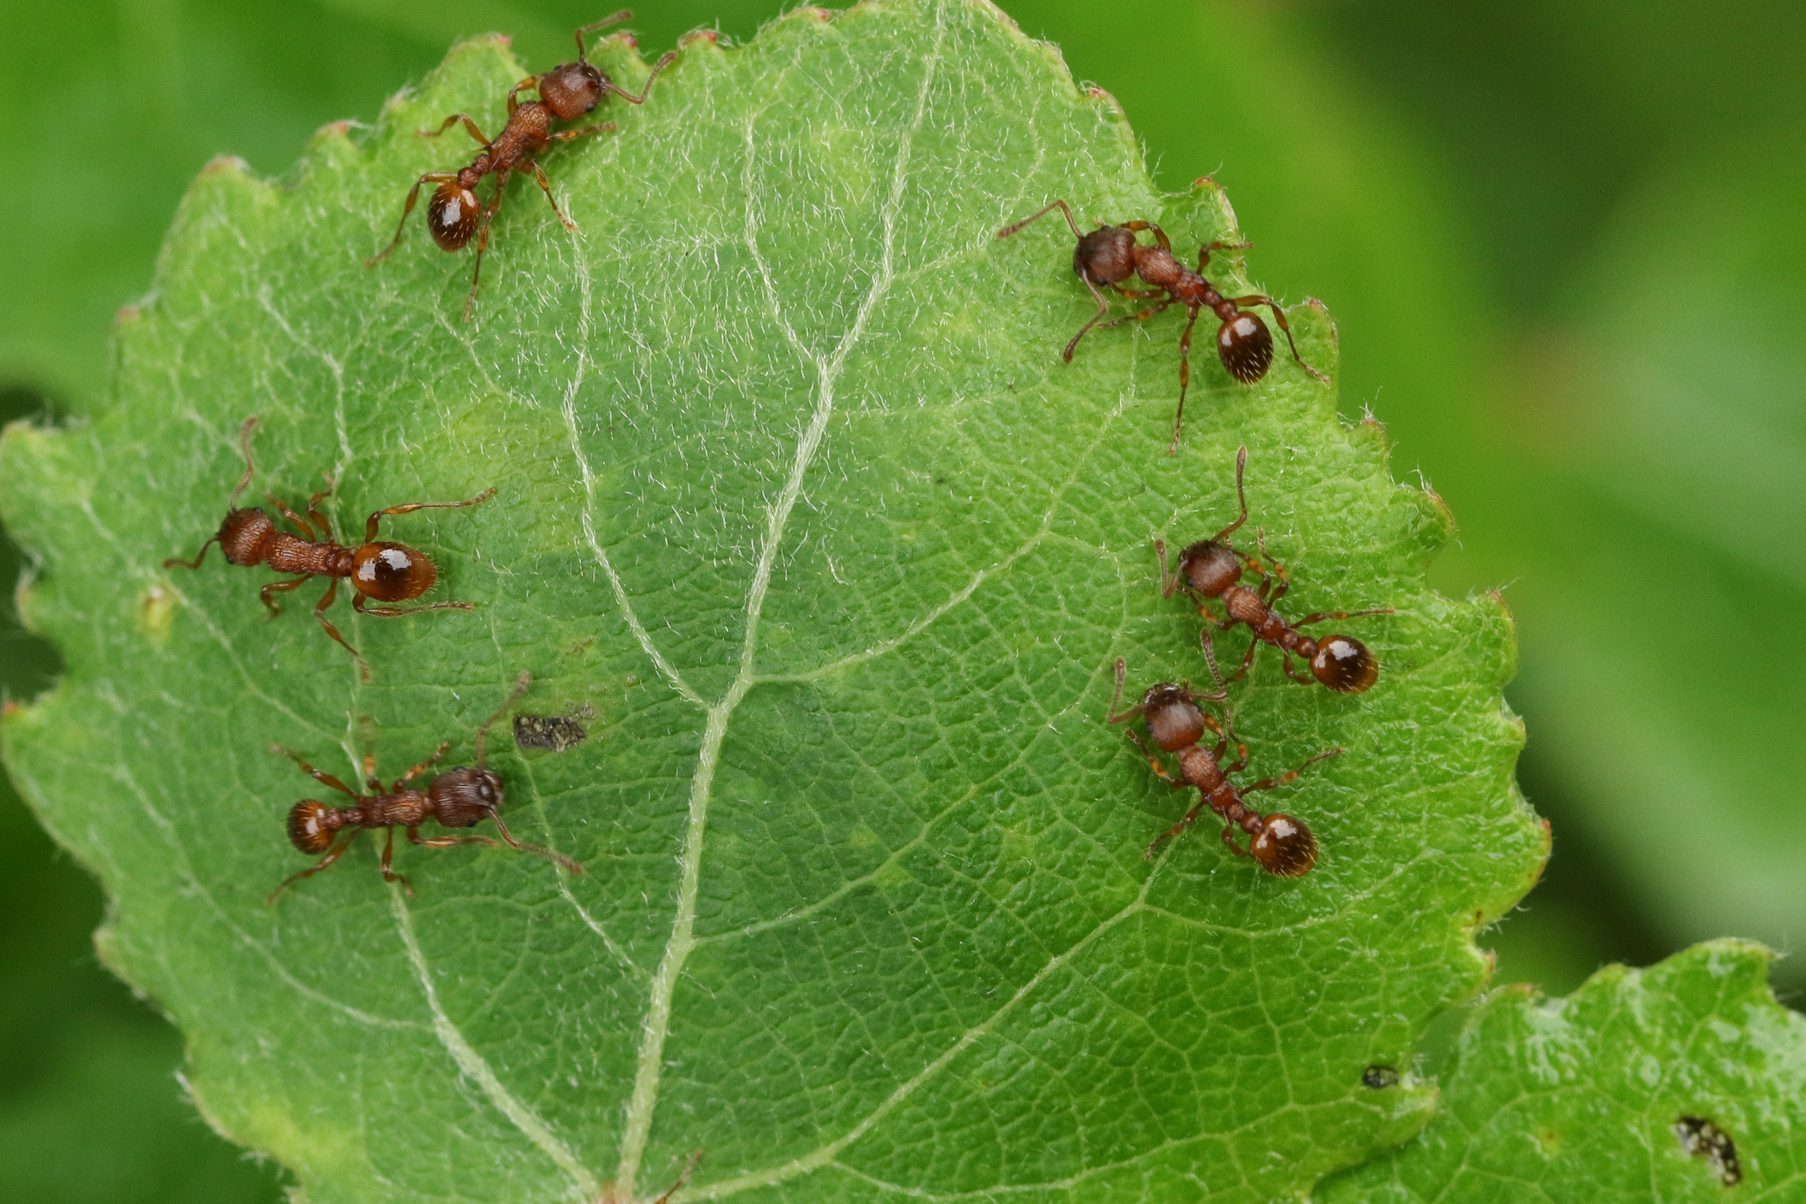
(1564, 248)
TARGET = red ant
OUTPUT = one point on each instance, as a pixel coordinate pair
(1282, 844)
(458, 798)
(383, 571)
(1110, 255)
(566, 92)
(1211, 568)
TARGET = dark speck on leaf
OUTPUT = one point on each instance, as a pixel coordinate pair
(1703, 1139)
(554, 732)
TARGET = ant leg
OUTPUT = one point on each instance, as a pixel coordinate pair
(280, 587)
(390, 875)
(488, 219)
(545, 186)
(410, 507)
(400, 612)
(1153, 760)
(469, 125)
(584, 131)
(410, 775)
(501, 829)
(1323, 616)
(695, 1161)
(1037, 215)
(431, 177)
(1229, 842)
(285, 511)
(1187, 821)
(524, 84)
(1301, 678)
(1140, 294)
(1139, 316)
(1247, 658)
(326, 600)
(1184, 378)
(325, 779)
(1205, 250)
(1225, 731)
(1166, 244)
(1290, 775)
(446, 842)
(337, 851)
(1279, 315)
(313, 508)
(1103, 311)
(665, 60)
(175, 561)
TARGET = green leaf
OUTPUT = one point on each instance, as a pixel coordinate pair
(796, 496)
(1589, 1097)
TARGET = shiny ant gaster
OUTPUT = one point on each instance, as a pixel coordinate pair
(457, 798)
(1109, 255)
(378, 570)
(1177, 721)
(1212, 568)
(566, 92)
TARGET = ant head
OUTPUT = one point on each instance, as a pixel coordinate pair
(452, 215)
(1208, 568)
(391, 572)
(462, 797)
(1344, 664)
(310, 825)
(571, 89)
(243, 535)
(1105, 256)
(1284, 846)
(1173, 716)
(1246, 347)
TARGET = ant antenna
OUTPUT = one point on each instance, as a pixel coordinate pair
(1041, 213)
(1241, 463)
(520, 687)
(1116, 716)
(501, 829)
(1221, 693)
(244, 445)
(625, 14)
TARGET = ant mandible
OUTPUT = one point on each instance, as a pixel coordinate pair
(378, 570)
(1109, 255)
(1282, 844)
(1212, 568)
(457, 798)
(566, 92)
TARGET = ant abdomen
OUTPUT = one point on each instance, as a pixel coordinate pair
(1284, 846)
(452, 215)
(1344, 665)
(1245, 346)
(391, 572)
(245, 536)
(311, 825)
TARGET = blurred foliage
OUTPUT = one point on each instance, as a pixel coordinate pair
(1589, 201)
